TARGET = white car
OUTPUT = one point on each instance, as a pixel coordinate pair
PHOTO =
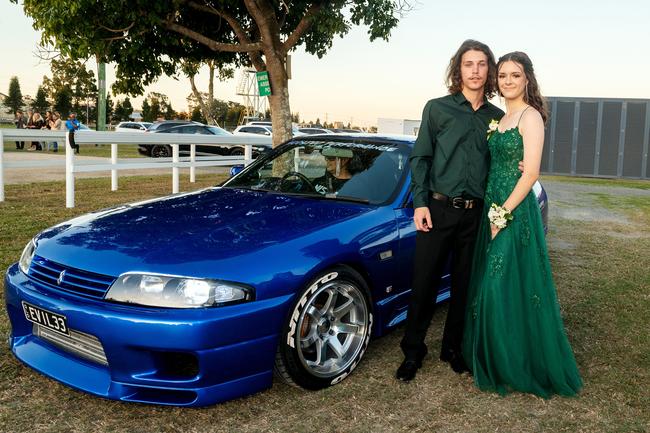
(133, 126)
(261, 128)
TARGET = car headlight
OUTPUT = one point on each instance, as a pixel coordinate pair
(27, 256)
(176, 292)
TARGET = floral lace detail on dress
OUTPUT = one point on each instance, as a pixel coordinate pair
(496, 264)
(524, 230)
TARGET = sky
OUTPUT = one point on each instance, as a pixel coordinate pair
(579, 48)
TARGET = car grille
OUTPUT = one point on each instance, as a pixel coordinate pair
(71, 280)
(85, 346)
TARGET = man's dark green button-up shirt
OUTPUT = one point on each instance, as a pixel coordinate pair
(450, 155)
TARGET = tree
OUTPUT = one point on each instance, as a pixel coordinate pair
(197, 115)
(123, 110)
(147, 116)
(40, 101)
(14, 100)
(63, 101)
(147, 39)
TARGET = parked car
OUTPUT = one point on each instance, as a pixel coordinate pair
(197, 298)
(162, 125)
(314, 130)
(347, 131)
(133, 126)
(262, 128)
(165, 150)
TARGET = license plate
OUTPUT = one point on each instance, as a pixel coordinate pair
(50, 320)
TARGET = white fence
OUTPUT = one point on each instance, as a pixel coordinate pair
(112, 164)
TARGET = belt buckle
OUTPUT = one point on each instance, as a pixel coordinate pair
(458, 202)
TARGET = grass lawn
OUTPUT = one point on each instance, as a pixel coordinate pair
(101, 150)
(603, 279)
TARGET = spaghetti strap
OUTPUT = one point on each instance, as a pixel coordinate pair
(522, 115)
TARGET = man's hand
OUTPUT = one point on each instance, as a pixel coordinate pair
(422, 218)
(521, 166)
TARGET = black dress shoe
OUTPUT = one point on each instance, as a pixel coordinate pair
(458, 364)
(406, 371)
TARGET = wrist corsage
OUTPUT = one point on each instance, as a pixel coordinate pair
(499, 216)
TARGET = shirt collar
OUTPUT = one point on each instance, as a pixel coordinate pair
(460, 100)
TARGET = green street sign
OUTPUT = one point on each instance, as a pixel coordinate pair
(263, 83)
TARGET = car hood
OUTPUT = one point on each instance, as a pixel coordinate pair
(184, 233)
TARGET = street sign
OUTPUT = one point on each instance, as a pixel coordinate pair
(263, 83)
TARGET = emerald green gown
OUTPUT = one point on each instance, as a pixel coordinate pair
(514, 338)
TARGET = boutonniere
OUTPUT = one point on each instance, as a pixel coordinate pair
(494, 125)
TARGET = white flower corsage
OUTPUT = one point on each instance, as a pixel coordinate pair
(493, 126)
(499, 216)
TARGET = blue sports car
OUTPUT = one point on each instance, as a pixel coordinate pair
(192, 299)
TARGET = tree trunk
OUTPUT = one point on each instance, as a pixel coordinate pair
(199, 99)
(279, 99)
(211, 83)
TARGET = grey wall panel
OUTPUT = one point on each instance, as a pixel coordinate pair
(563, 137)
(587, 138)
(547, 140)
(634, 130)
(611, 126)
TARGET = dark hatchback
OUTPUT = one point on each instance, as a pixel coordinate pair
(175, 127)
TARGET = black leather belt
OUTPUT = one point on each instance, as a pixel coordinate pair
(458, 202)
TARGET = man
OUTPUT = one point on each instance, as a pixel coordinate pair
(20, 124)
(337, 171)
(449, 165)
(72, 125)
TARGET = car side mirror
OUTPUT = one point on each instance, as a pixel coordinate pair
(267, 133)
(236, 169)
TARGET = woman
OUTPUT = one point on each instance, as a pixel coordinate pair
(37, 122)
(55, 125)
(514, 337)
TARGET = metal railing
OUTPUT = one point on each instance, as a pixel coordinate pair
(115, 138)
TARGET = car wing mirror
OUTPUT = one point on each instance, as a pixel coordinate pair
(236, 169)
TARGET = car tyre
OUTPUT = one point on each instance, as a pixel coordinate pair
(161, 151)
(237, 151)
(327, 331)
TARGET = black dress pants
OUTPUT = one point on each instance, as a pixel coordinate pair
(454, 231)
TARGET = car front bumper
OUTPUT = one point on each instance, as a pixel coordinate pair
(183, 357)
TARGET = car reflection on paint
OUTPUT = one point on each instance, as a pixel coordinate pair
(192, 299)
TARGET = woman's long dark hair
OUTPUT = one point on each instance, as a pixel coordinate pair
(532, 95)
(455, 80)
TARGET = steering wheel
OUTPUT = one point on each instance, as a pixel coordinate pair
(300, 176)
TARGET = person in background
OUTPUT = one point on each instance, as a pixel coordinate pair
(55, 125)
(72, 125)
(36, 123)
(47, 120)
(20, 124)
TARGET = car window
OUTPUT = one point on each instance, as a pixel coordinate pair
(217, 131)
(364, 171)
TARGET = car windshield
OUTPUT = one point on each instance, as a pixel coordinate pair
(363, 172)
(218, 131)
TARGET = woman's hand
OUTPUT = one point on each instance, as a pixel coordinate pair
(495, 230)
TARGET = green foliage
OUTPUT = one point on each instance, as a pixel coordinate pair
(197, 115)
(14, 100)
(63, 101)
(40, 102)
(122, 111)
(137, 35)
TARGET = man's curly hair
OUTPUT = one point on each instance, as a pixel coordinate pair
(454, 78)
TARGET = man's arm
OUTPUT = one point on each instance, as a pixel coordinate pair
(420, 160)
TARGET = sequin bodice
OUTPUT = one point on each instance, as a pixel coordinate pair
(506, 150)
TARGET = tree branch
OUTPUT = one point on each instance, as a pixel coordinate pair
(212, 44)
(125, 29)
(302, 27)
(255, 57)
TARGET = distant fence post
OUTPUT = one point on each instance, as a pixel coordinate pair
(113, 171)
(69, 173)
(192, 160)
(2, 167)
(248, 154)
(175, 168)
